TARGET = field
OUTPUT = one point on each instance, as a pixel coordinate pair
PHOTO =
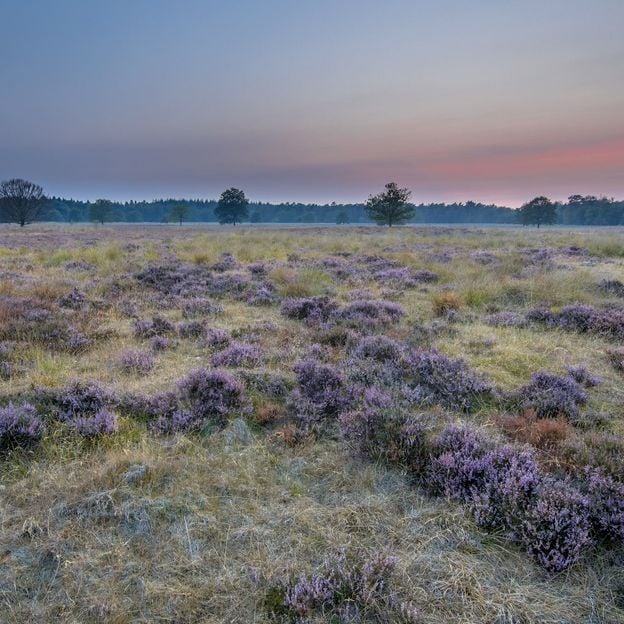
(311, 425)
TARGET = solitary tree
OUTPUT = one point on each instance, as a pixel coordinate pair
(232, 206)
(179, 213)
(538, 211)
(21, 201)
(391, 207)
(101, 210)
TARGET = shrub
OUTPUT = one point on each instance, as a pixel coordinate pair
(20, 425)
(371, 313)
(312, 310)
(505, 319)
(158, 326)
(612, 287)
(238, 354)
(606, 500)
(616, 358)
(381, 430)
(542, 433)
(321, 394)
(211, 395)
(199, 306)
(136, 362)
(103, 422)
(555, 528)
(342, 590)
(583, 377)
(217, 338)
(159, 343)
(378, 348)
(450, 382)
(262, 296)
(191, 329)
(74, 300)
(550, 396)
(81, 399)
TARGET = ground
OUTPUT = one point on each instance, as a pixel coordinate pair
(198, 526)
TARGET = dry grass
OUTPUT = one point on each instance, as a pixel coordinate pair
(211, 524)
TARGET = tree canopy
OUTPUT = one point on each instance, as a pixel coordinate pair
(232, 206)
(539, 211)
(391, 207)
(21, 201)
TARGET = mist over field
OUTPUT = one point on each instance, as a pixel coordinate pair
(312, 312)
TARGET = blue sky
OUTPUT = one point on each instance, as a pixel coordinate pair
(314, 101)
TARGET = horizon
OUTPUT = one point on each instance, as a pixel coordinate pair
(313, 104)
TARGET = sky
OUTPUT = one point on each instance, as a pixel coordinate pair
(486, 100)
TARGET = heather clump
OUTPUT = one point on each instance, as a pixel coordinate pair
(550, 396)
(371, 313)
(262, 296)
(191, 329)
(20, 425)
(612, 287)
(157, 326)
(606, 503)
(449, 382)
(312, 310)
(555, 525)
(321, 394)
(136, 362)
(505, 319)
(238, 354)
(199, 306)
(204, 398)
(217, 338)
(343, 591)
(74, 299)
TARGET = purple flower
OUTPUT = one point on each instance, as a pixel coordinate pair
(20, 425)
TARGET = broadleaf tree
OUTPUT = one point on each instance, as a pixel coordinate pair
(179, 213)
(539, 211)
(101, 210)
(232, 206)
(21, 201)
(390, 207)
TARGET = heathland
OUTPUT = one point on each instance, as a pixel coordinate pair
(348, 424)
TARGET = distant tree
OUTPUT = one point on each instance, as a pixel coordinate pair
(255, 217)
(101, 210)
(232, 206)
(179, 213)
(21, 201)
(391, 207)
(539, 211)
(342, 217)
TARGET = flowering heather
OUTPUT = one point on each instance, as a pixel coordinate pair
(217, 338)
(136, 362)
(341, 590)
(160, 343)
(179, 279)
(258, 269)
(234, 285)
(505, 319)
(199, 306)
(371, 313)
(312, 310)
(191, 329)
(606, 500)
(381, 430)
(238, 354)
(158, 326)
(81, 398)
(272, 384)
(550, 396)
(321, 394)
(583, 319)
(450, 382)
(612, 287)
(103, 422)
(211, 395)
(20, 425)
(226, 263)
(555, 527)
(582, 376)
(74, 300)
(262, 296)
(379, 348)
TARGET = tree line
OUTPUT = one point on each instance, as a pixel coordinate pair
(24, 202)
